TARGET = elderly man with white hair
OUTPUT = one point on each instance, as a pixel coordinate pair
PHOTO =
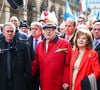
(15, 63)
(52, 58)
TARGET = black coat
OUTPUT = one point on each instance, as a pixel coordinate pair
(36, 80)
(97, 49)
(71, 40)
(32, 52)
(30, 42)
(20, 35)
(21, 73)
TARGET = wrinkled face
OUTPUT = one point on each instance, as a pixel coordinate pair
(24, 29)
(96, 31)
(49, 33)
(82, 41)
(8, 33)
(69, 27)
(36, 31)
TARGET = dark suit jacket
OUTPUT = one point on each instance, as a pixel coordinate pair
(97, 49)
(20, 35)
(36, 80)
(21, 75)
(71, 40)
(30, 41)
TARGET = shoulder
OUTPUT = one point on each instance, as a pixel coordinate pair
(21, 35)
(21, 43)
(63, 41)
(1, 36)
(92, 53)
(62, 36)
(30, 39)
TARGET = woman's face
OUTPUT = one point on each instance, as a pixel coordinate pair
(82, 41)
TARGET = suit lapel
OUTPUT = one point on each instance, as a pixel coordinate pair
(31, 42)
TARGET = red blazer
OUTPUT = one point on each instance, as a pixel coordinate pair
(53, 65)
(89, 64)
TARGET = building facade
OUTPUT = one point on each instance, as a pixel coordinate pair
(32, 9)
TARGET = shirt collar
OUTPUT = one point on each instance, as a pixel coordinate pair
(97, 40)
(54, 40)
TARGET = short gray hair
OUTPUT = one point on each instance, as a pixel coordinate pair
(9, 24)
(36, 24)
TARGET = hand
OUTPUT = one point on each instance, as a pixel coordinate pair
(65, 86)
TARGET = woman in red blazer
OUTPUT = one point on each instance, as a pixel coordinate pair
(84, 62)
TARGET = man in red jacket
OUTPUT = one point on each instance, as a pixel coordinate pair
(52, 57)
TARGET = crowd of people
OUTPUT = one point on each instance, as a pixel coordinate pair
(41, 56)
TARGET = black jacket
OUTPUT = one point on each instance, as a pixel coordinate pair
(71, 40)
(21, 74)
(30, 42)
(97, 49)
(36, 80)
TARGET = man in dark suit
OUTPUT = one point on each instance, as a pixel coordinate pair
(34, 39)
(15, 63)
(70, 28)
(96, 42)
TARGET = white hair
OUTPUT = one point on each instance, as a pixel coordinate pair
(9, 24)
(36, 24)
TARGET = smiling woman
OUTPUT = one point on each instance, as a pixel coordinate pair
(86, 34)
(83, 55)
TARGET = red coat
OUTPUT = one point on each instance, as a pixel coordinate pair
(89, 64)
(54, 64)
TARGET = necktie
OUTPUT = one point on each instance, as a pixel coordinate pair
(95, 44)
(8, 63)
(36, 43)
